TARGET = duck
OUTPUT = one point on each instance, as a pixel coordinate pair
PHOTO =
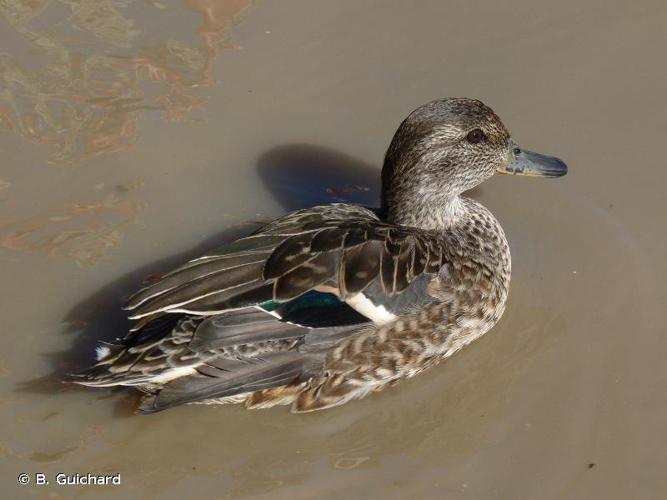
(329, 304)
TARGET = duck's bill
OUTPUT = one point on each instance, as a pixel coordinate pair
(523, 162)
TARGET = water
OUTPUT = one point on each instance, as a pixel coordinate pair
(135, 135)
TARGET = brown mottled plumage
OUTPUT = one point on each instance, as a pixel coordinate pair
(328, 304)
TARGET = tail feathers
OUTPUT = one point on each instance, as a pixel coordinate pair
(100, 376)
(120, 365)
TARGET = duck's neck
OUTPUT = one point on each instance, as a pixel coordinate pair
(423, 207)
(420, 188)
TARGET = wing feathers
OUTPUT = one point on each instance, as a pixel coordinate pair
(214, 283)
(360, 266)
(247, 294)
(248, 326)
(387, 271)
(279, 369)
(328, 239)
(289, 255)
(198, 271)
(341, 245)
(305, 277)
(200, 388)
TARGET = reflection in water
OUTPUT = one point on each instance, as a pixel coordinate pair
(86, 95)
(86, 98)
(83, 232)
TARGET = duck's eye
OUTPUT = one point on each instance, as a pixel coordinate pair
(476, 136)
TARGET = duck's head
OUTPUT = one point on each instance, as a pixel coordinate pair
(449, 146)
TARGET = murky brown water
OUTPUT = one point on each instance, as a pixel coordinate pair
(135, 134)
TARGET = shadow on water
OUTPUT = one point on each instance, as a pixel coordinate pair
(297, 176)
(101, 318)
(303, 175)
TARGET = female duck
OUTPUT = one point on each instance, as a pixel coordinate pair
(327, 304)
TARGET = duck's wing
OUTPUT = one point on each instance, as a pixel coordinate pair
(341, 249)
